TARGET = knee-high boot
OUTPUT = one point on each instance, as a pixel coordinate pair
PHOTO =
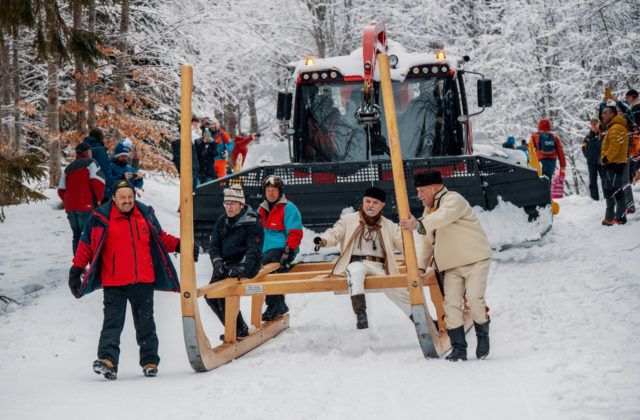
(459, 344)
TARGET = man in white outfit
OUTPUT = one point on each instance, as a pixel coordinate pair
(367, 242)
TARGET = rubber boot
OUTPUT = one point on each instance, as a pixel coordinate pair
(359, 304)
(609, 213)
(459, 344)
(482, 334)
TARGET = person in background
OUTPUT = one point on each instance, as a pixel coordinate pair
(592, 149)
(453, 242)
(282, 236)
(614, 159)
(120, 167)
(548, 149)
(510, 143)
(126, 250)
(95, 140)
(235, 249)
(175, 149)
(525, 148)
(80, 189)
(241, 148)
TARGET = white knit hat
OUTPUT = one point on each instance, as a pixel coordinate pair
(234, 193)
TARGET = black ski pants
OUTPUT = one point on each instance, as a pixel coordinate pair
(140, 296)
(595, 170)
(614, 191)
(273, 255)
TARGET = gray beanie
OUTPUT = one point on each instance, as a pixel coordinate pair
(234, 193)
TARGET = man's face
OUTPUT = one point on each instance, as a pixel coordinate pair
(122, 158)
(426, 194)
(372, 206)
(607, 115)
(123, 199)
(195, 124)
(630, 99)
(233, 208)
(272, 193)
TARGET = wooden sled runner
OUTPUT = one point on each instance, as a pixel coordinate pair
(303, 278)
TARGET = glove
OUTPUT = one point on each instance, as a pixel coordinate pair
(74, 279)
(236, 271)
(285, 259)
(318, 241)
(196, 251)
(220, 271)
(605, 160)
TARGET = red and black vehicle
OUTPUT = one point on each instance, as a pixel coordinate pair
(338, 146)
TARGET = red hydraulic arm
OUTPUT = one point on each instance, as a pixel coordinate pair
(374, 42)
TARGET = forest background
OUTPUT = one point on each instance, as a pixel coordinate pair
(67, 66)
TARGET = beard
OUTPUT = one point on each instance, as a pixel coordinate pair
(371, 212)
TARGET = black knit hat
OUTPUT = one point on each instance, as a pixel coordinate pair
(82, 148)
(121, 184)
(377, 193)
(430, 177)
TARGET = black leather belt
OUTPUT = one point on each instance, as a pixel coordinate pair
(366, 257)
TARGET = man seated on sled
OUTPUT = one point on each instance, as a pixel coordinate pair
(235, 249)
(367, 240)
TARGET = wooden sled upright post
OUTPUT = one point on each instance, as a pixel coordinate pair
(430, 341)
(201, 355)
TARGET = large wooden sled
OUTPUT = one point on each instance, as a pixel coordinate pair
(303, 278)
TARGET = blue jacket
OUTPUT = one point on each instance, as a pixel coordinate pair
(282, 225)
(99, 154)
(94, 236)
(119, 170)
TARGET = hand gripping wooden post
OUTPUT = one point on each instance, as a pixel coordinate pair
(432, 345)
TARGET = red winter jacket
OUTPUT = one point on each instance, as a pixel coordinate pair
(240, 147)
(544, 126)
(126, 256)
(82, 185)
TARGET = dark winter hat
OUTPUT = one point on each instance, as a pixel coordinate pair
(121, 150)
(377, 193)
(82, 148)
(121, 184)
(430, 177)
(97, 134)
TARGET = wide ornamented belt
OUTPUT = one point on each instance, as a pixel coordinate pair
(367, 258)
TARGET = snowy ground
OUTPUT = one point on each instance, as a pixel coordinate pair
(565, 345)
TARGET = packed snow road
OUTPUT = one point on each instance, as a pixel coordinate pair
(564, 336)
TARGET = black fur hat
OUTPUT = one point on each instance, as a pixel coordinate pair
(377, 193)
(429, 177)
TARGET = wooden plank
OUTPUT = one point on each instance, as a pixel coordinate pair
(231, 281)
(256, 310)
(299, 268)
(232, 306)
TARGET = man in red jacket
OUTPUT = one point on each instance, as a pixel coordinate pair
(241, 148)
(81, 189)
(127, 252)
(548, 149)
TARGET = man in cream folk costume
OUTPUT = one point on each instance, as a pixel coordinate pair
(367, 240)
(451, 233)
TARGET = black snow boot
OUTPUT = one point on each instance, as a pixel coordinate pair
(275, 307)
(459, 344)
(482, 334)
(241, 328)
(359, 304)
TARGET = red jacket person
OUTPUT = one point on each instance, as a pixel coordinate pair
(127, 253)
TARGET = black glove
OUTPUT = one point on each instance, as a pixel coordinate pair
(74, 279)
(196, 251)
(605, 160)
(285, 259)
(236, 271)
(220, 270)
(318, 241)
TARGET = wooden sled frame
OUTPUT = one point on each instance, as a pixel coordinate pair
(303, 278)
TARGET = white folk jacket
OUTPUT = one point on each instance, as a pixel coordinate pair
(453, 236)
